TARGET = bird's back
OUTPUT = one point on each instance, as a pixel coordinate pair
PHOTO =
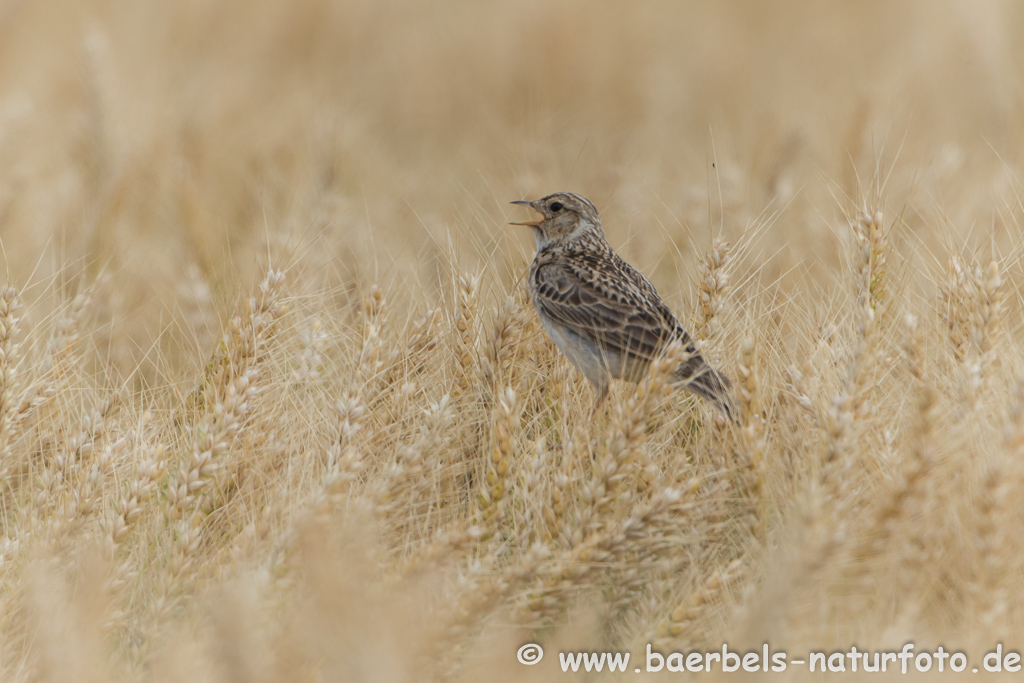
(586, 286)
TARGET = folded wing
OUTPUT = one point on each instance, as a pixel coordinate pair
(623, 314)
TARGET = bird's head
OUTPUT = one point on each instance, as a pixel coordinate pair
(564, 215)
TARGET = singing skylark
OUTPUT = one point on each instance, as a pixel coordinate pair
(605, 316)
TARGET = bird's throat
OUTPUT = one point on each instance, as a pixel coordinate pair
(539, 239)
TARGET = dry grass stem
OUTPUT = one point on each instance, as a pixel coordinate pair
(276, 405)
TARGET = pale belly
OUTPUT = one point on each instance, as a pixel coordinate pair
(598, 365)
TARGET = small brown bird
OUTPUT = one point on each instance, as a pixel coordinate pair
(601, 312)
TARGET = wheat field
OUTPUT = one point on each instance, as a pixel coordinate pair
(275, 406)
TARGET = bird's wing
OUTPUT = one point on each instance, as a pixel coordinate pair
(607, 302)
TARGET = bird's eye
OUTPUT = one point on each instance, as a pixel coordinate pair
(555, 207)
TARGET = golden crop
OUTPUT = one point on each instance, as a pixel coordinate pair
(274, 404)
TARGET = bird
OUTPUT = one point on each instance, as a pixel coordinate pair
(601, 312)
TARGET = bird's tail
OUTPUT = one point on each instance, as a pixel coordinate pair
(697, 376)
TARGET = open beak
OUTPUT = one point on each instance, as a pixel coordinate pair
(529, 224)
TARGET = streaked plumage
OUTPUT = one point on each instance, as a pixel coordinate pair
(601, 312)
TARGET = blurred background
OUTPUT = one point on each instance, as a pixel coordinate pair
(157, 157)
(172, 149)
